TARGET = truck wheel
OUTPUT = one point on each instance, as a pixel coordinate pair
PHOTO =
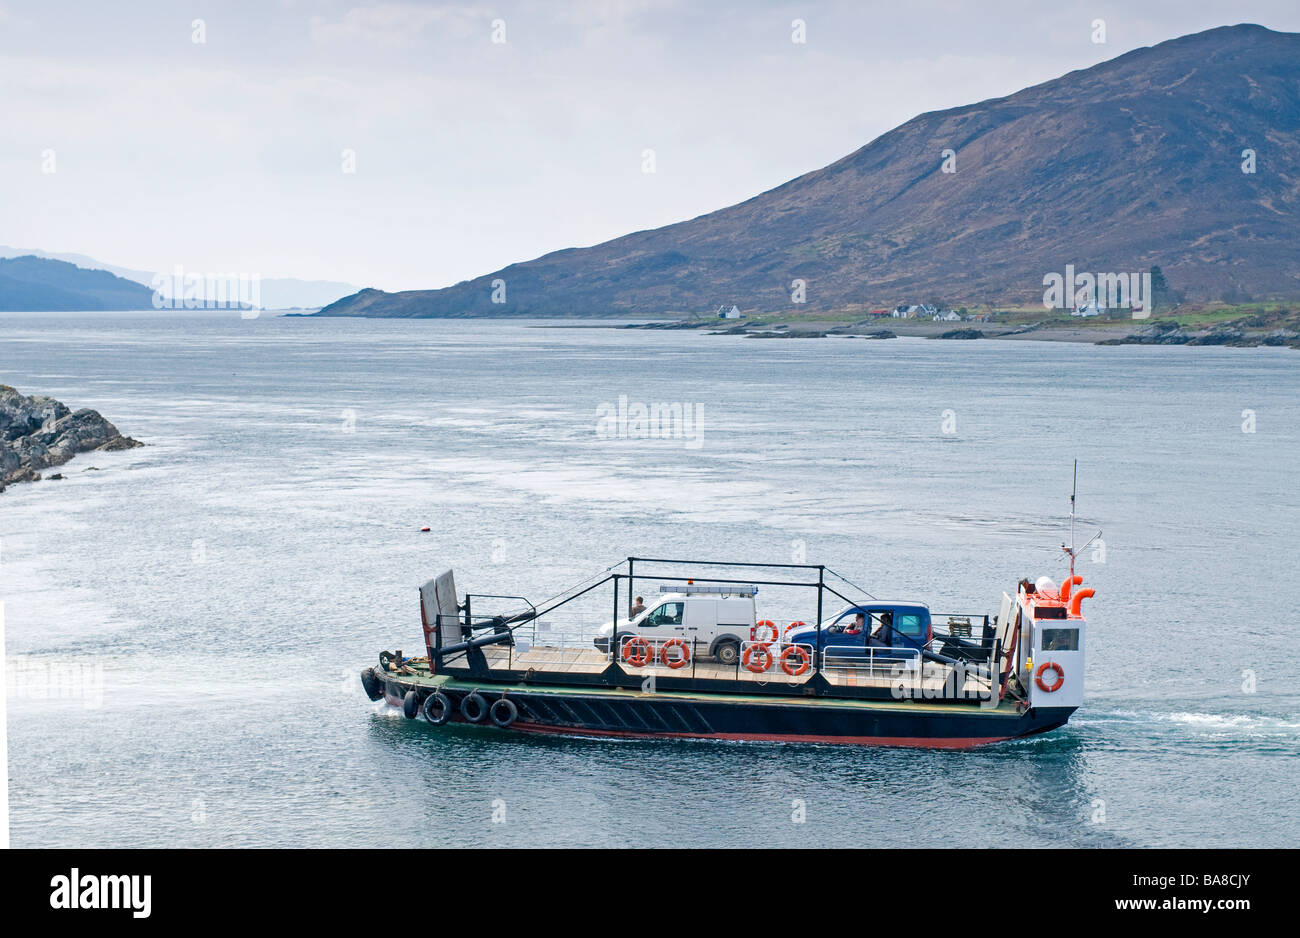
(727, 652)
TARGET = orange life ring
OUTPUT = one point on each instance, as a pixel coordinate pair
(792, 626)
(805, 660)
(757, 658)
(637, 652)
(765, 624)
(1060, 677)
(675, 663)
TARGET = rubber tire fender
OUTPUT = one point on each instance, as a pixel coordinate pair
(503, 712)
(373, 687)
(410, 705)
(437, 708)
(473, 707)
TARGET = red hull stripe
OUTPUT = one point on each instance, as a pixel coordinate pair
(922, 742)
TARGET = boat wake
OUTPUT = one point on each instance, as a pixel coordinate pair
(1209, 727)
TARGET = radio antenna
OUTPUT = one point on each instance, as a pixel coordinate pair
(1074, 490)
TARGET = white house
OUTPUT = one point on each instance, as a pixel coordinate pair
(732, 312)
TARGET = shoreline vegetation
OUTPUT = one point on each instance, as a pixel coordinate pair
(39, 433)
(1238, 326)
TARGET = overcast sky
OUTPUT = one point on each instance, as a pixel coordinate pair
(228, 155)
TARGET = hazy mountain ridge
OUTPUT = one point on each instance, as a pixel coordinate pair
(1131, 163)
(39, 284)
(277, 292)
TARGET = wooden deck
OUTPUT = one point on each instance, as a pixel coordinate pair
(576, 660)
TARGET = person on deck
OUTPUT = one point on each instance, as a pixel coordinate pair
(881, 637)
(638, 608)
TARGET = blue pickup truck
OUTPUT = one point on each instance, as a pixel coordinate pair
(903, 627)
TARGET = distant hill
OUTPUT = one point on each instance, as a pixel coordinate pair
(37, 284)
(277, 292)
(1131, 163)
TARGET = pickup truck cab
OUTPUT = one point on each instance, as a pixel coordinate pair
(904, 627)
(713, 625)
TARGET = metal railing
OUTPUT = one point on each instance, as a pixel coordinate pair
(870, 659)
(552, 651)
(536, 634)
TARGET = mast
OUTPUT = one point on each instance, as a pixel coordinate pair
(1074, 490)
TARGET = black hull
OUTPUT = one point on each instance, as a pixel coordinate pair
(593, 711)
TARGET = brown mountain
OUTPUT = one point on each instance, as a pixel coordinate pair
(1131, 163)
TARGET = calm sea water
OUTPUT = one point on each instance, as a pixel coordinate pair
(201, 607)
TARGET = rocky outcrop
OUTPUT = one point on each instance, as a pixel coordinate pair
(1226, 333)
(1158, 333)
(1282, 337)
(39, 432)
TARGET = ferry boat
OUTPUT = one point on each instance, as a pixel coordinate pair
(704, 660)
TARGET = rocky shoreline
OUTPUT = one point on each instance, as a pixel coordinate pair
(39, 432)
(1230, 334)
(1274, 330)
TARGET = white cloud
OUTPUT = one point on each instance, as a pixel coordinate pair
(397, 23)
(470, 155)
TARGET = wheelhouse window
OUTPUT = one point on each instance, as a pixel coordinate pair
(1060, 639)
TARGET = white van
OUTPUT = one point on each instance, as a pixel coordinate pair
(711, 625)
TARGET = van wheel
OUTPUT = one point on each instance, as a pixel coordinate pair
(727, 652)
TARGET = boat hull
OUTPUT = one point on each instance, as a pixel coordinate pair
(619, 712)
